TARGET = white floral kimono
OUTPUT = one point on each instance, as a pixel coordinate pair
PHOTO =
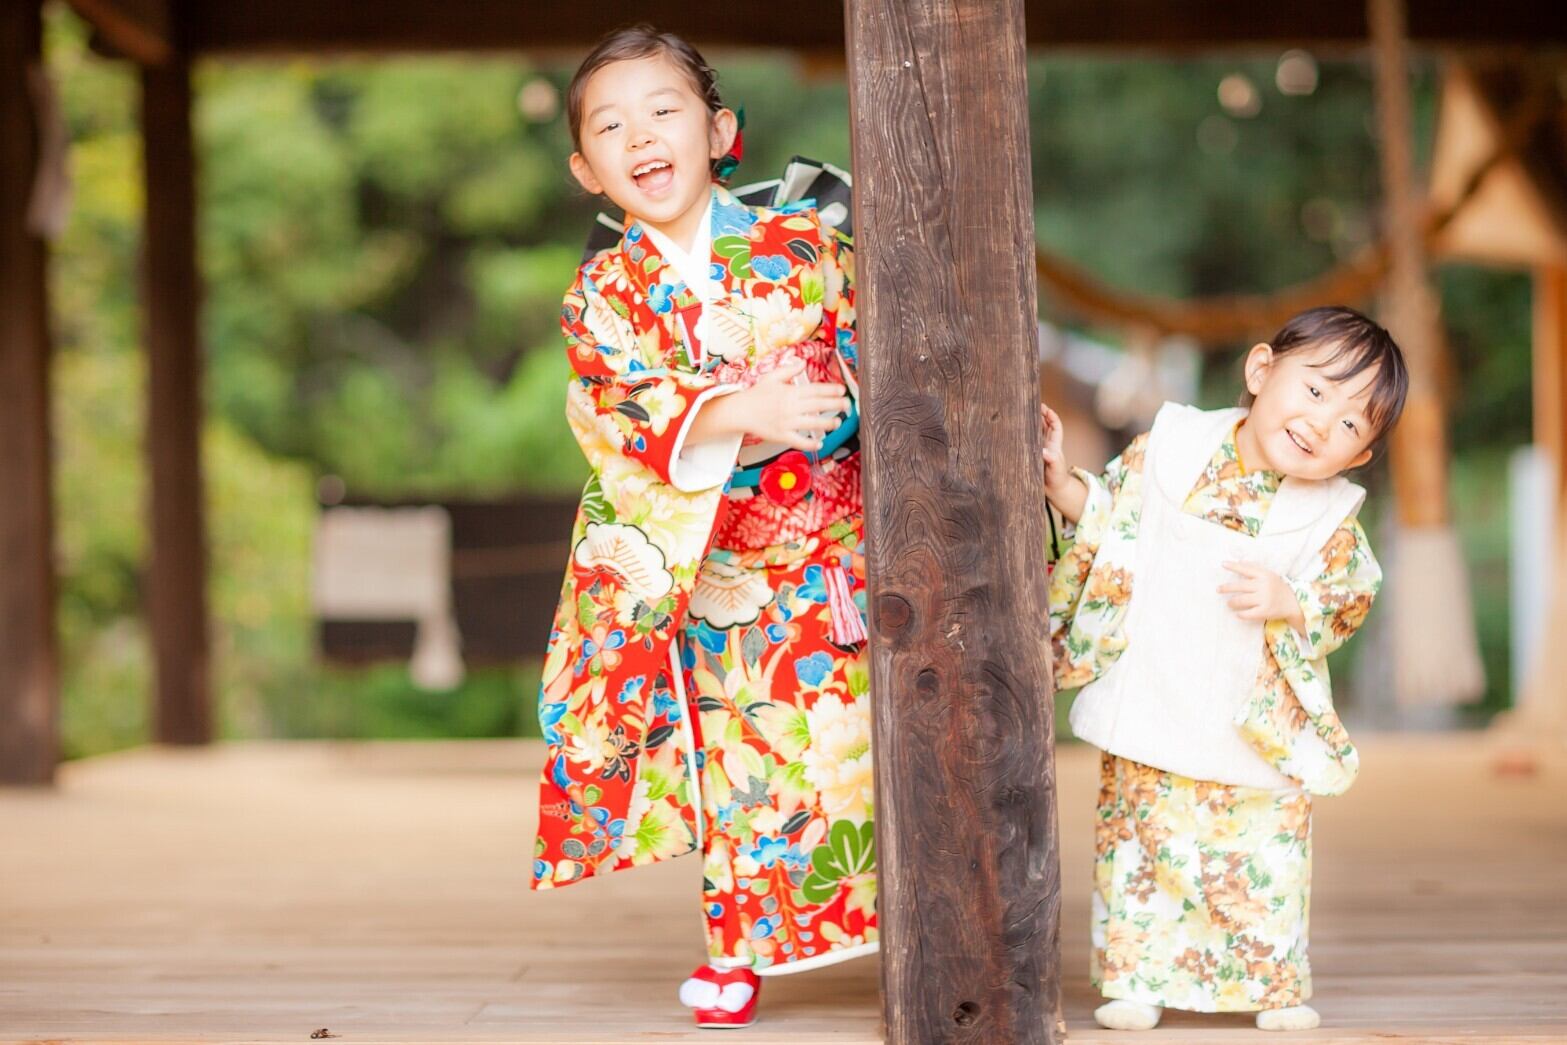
(1202, 889)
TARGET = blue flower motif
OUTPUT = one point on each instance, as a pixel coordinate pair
(815, 587)
(640, 443)
(712, 640)
(558, 773)
(659, 297)
(687, 656)
(541, 870)
(714, 910)
(634, 365)
(732, 220)
(764, 927)
(551, 713)
(600, 814)
(631, 689)
(665, 705)
(774, 267)
(813, 670)
(633, 232)
(715, 272)
(769, 850)
(776, 633)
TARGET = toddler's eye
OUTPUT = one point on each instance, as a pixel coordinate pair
(608, 127)
(1314, 393)
(1351, 426)
(662, 112)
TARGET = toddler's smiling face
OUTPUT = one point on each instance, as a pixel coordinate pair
(1305, 422)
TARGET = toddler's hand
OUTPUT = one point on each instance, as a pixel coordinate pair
(1258, 593)
(1063, 489)
(1054, 452)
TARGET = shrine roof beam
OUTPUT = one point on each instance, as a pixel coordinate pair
(145, 29)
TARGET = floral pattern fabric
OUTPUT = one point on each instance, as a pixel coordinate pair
(692, 695)
(789, 868)
(1202, 890)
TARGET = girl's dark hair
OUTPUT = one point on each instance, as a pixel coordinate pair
(1359, 344)
(628, 44)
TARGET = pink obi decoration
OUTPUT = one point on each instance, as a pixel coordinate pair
(821, 364)
(778, 508)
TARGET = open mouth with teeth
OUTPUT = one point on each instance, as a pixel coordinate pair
(653, 175)
(1300, 443)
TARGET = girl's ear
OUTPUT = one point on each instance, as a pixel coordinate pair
(721, 132)
(1258, 361)
(1360, 459)
(584, 174)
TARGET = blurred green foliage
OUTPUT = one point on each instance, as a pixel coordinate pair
(384, 244)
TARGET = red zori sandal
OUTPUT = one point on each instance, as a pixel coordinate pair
(722, 997)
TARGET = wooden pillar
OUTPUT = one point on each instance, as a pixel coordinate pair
(29, 668)
(1550, 374)
(965, 807)
(177, 577)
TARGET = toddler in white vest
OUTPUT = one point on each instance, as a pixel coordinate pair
(1211, 569)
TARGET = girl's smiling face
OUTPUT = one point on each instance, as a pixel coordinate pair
(648, 142)
(1304, 423)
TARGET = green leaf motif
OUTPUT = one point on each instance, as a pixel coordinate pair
(850, 849)
(732, 247)
(595, 506)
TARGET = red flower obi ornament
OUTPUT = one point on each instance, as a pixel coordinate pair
(787, 479)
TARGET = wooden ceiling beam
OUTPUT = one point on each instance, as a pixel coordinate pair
(243, 26)
(141, 30)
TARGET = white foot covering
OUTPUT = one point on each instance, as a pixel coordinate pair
(698, 994)
(1296, 1017)
(735, 996)
(1128, 1015)
(704, 994)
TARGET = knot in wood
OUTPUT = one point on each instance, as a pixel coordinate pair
(893, 612)
(965, 1014)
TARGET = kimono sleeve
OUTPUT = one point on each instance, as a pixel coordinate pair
(838, 296)
(633, 393)
(1079, 660)
(1334, 604)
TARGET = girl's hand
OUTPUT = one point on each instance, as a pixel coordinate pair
(1260, 594)
(1063, 489)
(776, 409)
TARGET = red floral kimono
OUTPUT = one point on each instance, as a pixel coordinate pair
(706, 682)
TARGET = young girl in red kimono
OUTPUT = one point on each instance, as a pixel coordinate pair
(706, 681)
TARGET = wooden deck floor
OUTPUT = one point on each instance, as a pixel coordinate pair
(258, 892)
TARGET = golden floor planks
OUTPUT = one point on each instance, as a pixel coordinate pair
(257, 892)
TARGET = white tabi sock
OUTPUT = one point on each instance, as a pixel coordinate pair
(1121, 1014)
(1296, 1017)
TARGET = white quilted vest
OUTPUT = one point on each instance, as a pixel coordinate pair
(1190, 664)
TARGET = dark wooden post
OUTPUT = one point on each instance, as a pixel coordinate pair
(965, 808)
(177, 578)
(29, 669)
